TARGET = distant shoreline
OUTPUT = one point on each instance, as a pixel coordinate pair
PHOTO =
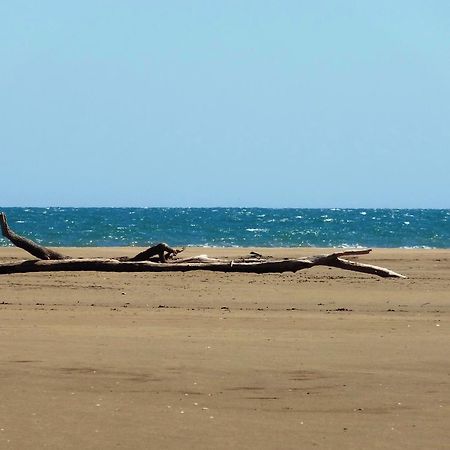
(232, 252)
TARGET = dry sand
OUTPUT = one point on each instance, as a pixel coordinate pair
(323, 358)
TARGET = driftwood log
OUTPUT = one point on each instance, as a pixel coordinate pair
(162, 258)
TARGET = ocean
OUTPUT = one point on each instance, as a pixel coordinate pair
(233, 227)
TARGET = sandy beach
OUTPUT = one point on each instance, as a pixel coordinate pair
(323, 358)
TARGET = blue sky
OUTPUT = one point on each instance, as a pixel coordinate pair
(225, 103)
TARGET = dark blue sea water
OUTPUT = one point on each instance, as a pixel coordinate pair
(233, 227)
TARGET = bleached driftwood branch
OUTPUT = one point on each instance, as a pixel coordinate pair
(246, 266)
(51, 261)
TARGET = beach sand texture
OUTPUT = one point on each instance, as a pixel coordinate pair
(323, 358)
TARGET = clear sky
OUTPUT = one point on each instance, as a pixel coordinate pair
(225, 103)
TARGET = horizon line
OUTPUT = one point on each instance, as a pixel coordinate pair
(229, 207)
